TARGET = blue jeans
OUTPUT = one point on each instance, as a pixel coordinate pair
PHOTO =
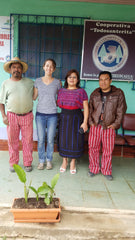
(43, 122)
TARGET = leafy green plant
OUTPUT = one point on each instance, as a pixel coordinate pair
(35, 191)
(47, 191)
(22, 176)
(4, 238)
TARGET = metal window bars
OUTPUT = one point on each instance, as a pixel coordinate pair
(38, 37)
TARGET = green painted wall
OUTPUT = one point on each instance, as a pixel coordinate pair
(94, 11)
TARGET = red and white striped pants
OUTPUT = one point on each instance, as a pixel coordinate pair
(25, 125)
(107, 137)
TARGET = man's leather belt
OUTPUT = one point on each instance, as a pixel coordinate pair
(23, 114)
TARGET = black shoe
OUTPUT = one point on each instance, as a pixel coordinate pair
(90, 174)
(11, 169)
(28, 168)
(109, 177)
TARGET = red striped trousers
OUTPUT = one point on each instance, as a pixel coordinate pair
(98, 135)
(25, 125)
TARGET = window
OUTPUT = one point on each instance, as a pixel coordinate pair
(42, 37)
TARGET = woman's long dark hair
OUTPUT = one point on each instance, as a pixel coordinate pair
(68, 74)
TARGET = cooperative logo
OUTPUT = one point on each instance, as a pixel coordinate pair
(110, 53)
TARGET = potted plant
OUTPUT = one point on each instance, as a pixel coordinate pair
(42, 208)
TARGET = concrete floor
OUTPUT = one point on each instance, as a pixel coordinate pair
(92, 208)
(75, 191)
(73, 226)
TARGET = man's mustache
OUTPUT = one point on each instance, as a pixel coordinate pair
(16, 72)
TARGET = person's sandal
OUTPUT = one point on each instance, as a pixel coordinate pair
(48, 165)
(40, 166)
(62, 170)
(73, 171)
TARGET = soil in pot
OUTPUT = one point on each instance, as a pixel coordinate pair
(32, 203)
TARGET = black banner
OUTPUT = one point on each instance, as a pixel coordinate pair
(108, 46)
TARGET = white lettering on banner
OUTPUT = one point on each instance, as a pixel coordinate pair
(113, 25)
(112, 31)
(5, 38)
(114, 28)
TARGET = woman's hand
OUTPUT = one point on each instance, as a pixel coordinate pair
(84, 126)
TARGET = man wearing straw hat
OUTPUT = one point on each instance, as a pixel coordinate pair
(16, 94)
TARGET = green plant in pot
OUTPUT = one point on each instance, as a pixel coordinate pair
(44, 202)
(22, 176)
(47, 191)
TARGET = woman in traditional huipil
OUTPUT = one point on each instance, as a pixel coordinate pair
(71, 99)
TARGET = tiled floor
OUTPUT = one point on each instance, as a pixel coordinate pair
(75, 190)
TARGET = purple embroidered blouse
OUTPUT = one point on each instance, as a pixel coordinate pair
(71, 99)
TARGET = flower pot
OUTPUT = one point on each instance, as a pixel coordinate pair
(36, 214)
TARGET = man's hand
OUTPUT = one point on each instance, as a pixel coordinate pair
(111, 126)
(4, 116)
(5, 120)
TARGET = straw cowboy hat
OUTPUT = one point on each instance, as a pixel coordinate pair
(15, 60)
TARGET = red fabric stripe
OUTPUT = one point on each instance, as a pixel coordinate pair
(107, 137)
(25, 125)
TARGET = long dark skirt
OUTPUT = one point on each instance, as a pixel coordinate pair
(70, 142)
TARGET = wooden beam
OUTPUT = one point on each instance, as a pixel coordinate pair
(122, 151)
(119, 2)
